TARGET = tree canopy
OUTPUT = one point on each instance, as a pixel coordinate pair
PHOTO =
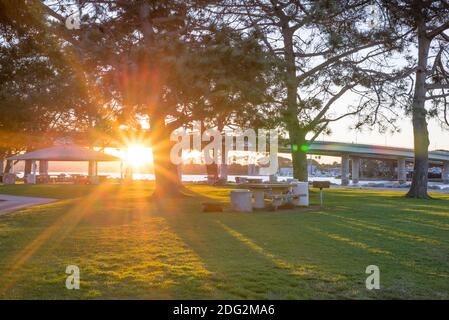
(325, 51)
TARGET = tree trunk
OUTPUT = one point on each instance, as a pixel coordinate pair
(212, 168)
(297, 136)
(8, 167)
(212, 171)
(165, 172)
(3, 155)
(27, 169)
(223, 170)
(418, 188)
(299, 155)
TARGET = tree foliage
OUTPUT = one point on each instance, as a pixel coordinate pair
(325, 52)
(164, 61)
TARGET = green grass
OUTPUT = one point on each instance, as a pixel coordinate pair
(128, 246)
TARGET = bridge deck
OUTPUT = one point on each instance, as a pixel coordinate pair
(328, 148)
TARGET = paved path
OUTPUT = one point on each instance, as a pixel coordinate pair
(13, 203)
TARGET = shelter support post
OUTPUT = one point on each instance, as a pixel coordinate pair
(179, 171)
(28, 167)
(223, 168)
(93, 171)
(2, 168)
(128, 173)
(402, 171)
(445, 172)
(34, 167)
(344, 170)
(92, 168)
(43, 167)
(356, 170)
(30, 172)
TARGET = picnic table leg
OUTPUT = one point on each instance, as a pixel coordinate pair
(277, 201)
(321, 198)
(259, 199)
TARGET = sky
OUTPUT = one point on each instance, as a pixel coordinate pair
(341, 132)
(439, 138)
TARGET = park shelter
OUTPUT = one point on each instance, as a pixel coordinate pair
(64, 153)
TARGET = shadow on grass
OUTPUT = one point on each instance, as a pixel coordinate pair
(129, 246)
(245, 266)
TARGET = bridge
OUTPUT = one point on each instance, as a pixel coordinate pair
(355, 152)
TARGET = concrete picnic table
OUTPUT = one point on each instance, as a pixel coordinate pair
(259, 190)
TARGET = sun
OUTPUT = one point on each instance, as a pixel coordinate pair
(137, 155)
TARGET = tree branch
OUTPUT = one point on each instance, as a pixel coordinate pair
(437, 86)
(326, 108)
(335, 59)
(438, 96)
(438, 30)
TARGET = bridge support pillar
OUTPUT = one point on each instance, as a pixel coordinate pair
(344, 170)
(402, 171)
(356, 170)
(445, 172)
(252, 169)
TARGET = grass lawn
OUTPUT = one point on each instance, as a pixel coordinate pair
(128, 246)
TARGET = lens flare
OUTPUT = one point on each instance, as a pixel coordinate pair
(137, 155)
